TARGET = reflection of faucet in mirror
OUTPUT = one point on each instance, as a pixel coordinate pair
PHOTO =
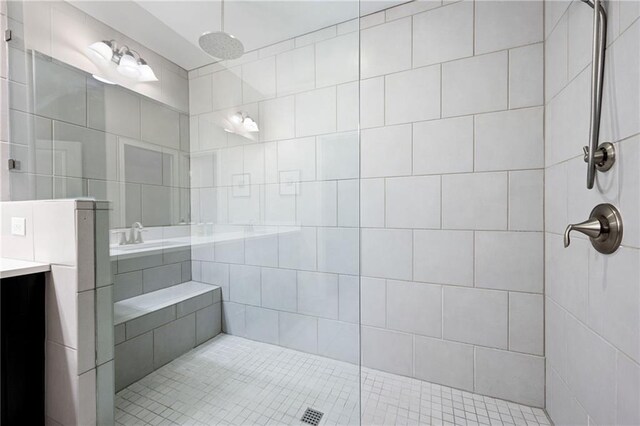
(135, 234)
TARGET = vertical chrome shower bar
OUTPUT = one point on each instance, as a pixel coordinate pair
(597, 76)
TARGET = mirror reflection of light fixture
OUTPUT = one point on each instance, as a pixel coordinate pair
(102, 79)
(240, 122)
(128, 61)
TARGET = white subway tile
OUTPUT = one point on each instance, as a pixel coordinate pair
(387, 350)
(277, 119)
(412, 95)
(315, 112)
(526, 76)
(338, 250)
(385, 48)
(448, 363)
(386, 253)
(371, 102)
(510, 375)
(299, 332)
(475, 316)
(501, 25)
(526, 323)
(432, 254)
(474, 201)
(373, 301)
(451, 139)
(318, 294)
(414, 308)
(262, 324)
(413, 202)
(526, 200)
(443, 34)
(296, 70)
(509, 140)
(474, 85)
(386, 151)
(259, 80)
(521, 261)
(337, 60)
(338, 340)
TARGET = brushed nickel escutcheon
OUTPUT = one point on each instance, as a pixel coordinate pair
(604, 229)
(603, 158)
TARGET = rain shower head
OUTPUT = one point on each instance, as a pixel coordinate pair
(220, 44)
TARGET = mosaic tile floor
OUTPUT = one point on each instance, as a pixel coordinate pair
(231, 380)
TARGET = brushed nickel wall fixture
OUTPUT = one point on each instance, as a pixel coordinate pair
(604, 229)
(598, 157)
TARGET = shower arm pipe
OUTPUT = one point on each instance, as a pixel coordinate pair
(597, 77)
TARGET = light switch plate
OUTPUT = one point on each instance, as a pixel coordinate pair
(19, 226)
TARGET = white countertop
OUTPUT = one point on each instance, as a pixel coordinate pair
(15, 267)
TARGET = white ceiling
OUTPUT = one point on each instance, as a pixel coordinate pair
(172, 28)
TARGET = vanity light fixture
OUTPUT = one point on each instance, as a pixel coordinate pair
(102, 79)
(128, 61)
(240, 122)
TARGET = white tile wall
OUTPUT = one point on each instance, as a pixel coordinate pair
(591, 316)
(450, 151)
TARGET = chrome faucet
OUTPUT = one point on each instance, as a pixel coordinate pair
(135, 234)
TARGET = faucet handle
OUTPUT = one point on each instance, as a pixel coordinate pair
(591, 227)
(604, 229)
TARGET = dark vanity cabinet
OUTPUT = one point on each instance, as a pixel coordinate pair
(22, 342)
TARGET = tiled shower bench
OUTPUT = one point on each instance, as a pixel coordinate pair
(155, 328)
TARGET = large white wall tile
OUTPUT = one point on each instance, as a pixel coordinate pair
(318, 294)
(227, 88)
(279, 289)
(338, 250)
(298, 332)
(338, 156)
(315, 112)
(526, 323)
(443, 34)
(371, 102)
(432, 254)
(387, 350)
(414, 307)
(591, 371)
(337, 60)
(443, 146)
(475, 316)
(474, 201)
(373, 301)
(526, 76)
(386, 253)
(386, 48)
(244, 283)
(386, 151)
(316, 204)
(298, 155)
(372, 203)
(348, 108)
(505, 374)
(521, 261)
(473, 85)
(338, 340)
(277, 119)
(259, 80)
(439, 361)
(526, 200)
(297, 248)
(413, 202)
(509, 140)
(627, 391)
(412, 95)
(503, 24)
(556, 58)
(296, 70)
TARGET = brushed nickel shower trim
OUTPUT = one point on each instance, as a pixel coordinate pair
(604, 229)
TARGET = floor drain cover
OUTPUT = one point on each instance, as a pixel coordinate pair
(312, 416)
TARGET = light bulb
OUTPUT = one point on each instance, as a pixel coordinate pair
(101, 51)
(128, 66)
(102, 79)
(147, 74)
(236, 118)
(250, 125)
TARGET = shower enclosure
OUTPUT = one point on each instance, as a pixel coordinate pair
(352, 215)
